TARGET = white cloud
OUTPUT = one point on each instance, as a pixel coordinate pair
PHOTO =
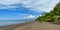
(3, 18)
(9, 19)
(40, 5)
(22, 14)
(26, 16)
(8, 2)
(30, 16)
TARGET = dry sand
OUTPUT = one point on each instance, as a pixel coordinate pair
(34, 26)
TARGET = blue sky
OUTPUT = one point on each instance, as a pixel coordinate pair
(24, 9)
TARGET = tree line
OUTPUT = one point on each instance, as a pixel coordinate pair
(47, 16)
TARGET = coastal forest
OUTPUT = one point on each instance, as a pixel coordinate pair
(48, 16)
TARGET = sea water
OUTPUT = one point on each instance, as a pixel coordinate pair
(10, 22)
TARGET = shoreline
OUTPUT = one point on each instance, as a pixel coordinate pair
(34, 25)
(16, 25)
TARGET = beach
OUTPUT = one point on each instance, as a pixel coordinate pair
(32, 26)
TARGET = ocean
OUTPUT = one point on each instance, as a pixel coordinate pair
(10, 22)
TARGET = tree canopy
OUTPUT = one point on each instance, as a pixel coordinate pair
(48, 16)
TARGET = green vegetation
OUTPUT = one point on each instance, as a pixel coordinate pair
(49, 16)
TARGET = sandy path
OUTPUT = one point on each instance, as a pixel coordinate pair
(39, 26)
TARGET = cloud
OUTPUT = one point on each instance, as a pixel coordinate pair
(26, 16)
(8, 2)
(34, 5)
(40, 5)
(3, 18)
(21, 14)
(30, 16)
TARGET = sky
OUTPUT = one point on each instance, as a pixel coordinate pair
(25, 9)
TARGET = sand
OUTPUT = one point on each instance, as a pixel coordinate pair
(33, 26)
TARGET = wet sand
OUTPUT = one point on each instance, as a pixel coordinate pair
(33, 26)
